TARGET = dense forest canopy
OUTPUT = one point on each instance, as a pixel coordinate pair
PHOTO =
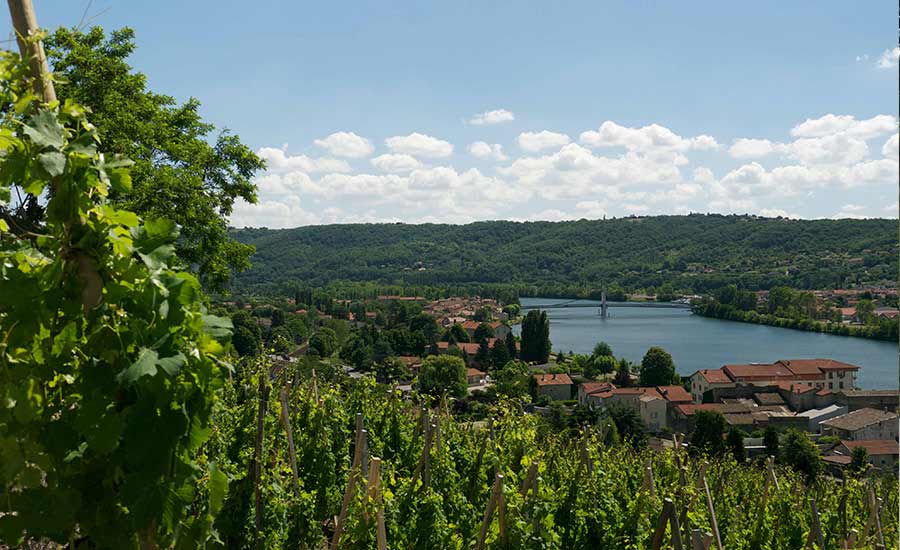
(695, 252)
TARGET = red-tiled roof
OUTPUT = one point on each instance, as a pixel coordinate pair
(674, 394)
(831, 364)
(473, 372)
(874, 446)
(470, 325)
(714, 376)
(759, 371)
(805, 368)
(688, 409)
(795, 388)
(841, 460)
(589, 388)
(553, 379)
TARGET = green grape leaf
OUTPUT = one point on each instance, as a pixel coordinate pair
(53, 162)
(45, 130)
(172, 364)
(217, 327)
(156, 259)
(218, 488)
(145, 364)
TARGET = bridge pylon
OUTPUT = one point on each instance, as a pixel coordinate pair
(604, 307)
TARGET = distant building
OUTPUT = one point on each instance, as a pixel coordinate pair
(474, 377)
(886, 400)
(817, 416)
(862, 424)
(819, 374)
(557, 387)
(883, 453)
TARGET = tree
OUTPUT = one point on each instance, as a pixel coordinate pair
(623, 374)
(245, 341)
(512, 379)
(535, 337)
(443, 374)
(707, 436)
(277, 318)
(281, 340)
(628, 424)
(324, 342)
(181, 170)
(511, 347)
(859, 460)
(798, 452)
(483, 355)
(657, 368)
(865, 310)
(602, 349)
(391, 370)
(770, 440)
(483, 332)
(456, 334)
(499, 354)
(735, 443)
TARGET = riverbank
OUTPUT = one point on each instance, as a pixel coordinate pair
(887, 332)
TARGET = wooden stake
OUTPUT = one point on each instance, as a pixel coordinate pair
(348, 493)
(426, 450)
(815, 532)
(648, 479)
(489, 510)
(375, 495)
(712, 510)
(25, 25)
(701, 541)
(530, 478)
(286, 420)
(258, 452)
(315, 389)
(670, 518)
(501, 515)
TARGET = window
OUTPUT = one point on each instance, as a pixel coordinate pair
(830, 375)
(830, 386)
(842, 385)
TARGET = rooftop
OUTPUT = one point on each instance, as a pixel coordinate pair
(874, 446)
(803, 365)
(589, 388)
(760, 371)
(674, 394)
(714, 376)
(552, 379)
(859, 419)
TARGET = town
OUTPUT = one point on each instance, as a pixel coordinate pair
(819, 396)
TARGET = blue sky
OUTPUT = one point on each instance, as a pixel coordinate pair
(602, 108)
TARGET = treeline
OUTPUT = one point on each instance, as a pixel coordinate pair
(790, 308)
(696, 253)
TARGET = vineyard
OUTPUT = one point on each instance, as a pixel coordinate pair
(360, 467)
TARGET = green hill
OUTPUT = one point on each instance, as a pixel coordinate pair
(692, 252)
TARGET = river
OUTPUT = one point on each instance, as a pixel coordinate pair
(703, 343)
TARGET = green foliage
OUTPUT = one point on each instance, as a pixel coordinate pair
(771, 441)
(801, 454)
(577, 258)
(512, 380)
(735, 443)
(182, 171)
(629, 425)
(602, 349)
(706, 438)
(483, 332)
(859, 460)
(442, 374)
(109, 361)
(324, 342)
(535, 337)
(657, 368)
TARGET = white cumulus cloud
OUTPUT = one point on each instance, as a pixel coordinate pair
(749, 148)
(277, 161)
(845, 124)
(397, 164)
(889, 58)
(538, 141)
(481, 149)
(891, 146)
(419, 145)
(346, 144)
(489, 118)
(646, 139)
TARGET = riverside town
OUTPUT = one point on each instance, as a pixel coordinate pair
(449, 275)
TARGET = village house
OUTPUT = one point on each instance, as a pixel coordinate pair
(474, 377)
(817, 416)
(817, 374)
(883, 453)
(500, 329)
(557, 387)
(862, 424)
(651, 403)
(885, 400)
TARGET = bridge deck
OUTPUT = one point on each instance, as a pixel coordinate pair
(669, 305)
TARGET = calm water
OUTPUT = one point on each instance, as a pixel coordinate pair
(701, 343)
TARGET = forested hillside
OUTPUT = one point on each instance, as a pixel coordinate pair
(694, 252)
